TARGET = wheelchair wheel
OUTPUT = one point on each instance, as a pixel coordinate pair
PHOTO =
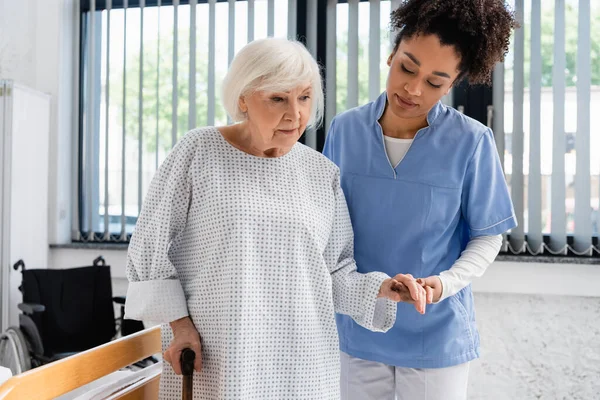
(14, 351)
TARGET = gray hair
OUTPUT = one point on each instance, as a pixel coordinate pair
(272, 65)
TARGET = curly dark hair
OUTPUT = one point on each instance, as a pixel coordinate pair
(479, 30)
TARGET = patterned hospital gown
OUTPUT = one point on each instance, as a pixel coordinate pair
(259, 253)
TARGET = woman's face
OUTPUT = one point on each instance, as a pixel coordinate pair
(277, 119)
(422, 70)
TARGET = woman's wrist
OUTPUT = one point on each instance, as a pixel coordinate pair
(182, 323)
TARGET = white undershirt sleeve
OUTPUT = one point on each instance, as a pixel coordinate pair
(475, 259)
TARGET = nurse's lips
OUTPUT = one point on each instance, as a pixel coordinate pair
(405, 103)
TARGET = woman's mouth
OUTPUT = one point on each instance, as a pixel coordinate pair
(288, 131)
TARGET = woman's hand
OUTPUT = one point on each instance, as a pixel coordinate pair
(185, 335)
(406, 289)
(433, 288)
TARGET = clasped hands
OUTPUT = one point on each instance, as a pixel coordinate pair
(406, 288)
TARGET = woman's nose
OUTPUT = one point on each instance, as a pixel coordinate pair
(293, 111)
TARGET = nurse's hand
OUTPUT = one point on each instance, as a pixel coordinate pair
(433, 287)
(406, 289)
(185, 335)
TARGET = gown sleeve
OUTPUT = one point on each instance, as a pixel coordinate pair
(155, 292)
(354, 293)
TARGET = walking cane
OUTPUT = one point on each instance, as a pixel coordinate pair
(187, 368)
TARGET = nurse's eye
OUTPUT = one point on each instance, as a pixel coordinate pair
(406, 69)
(435, 86)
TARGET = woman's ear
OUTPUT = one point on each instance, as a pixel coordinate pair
(242, 104)
(389, 60)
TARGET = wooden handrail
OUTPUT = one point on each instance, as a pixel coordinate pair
(63, 376)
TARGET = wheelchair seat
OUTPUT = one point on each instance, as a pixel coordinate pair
(78, 311)
(64, 311)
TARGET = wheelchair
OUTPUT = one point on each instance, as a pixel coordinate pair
(64, 311)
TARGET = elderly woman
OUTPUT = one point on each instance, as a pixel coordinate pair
(244, 247)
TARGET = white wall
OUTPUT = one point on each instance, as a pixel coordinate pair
(38, 47)
(18, 41)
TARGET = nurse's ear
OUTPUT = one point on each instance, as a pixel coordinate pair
(390, 58)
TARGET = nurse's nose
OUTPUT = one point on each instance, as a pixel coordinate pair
(413, 88)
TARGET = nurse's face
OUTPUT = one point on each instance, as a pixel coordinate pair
(422, 70)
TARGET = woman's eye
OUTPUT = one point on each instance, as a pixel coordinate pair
(435, 86)
(277, 99)
(304, 98)
(406, 70)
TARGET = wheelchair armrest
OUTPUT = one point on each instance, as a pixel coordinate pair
(119, 299)
(31, 308)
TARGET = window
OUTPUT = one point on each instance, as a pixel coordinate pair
(135, 92)
(138, 55)
(551, 85)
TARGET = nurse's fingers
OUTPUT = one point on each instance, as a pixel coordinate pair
(429, 294)
(416, 290)
(405, 296)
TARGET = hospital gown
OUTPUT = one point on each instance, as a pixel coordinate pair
(259, 253)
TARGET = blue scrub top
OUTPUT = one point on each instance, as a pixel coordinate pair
(417, 218)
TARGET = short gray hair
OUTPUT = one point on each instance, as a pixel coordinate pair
(273, 65)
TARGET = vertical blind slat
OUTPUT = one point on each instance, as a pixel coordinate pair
(374, 49)
(175, 93)
(583, 227)
(517, 234)
(498, 101)
(106, 121)
(558, 223)
(123, 147)
(192, 72)
(141, 108)
(292, 7)
(311, 26)
(394, 4)
(211, 63)
(231, 32)
(331, 59)
(352, 97)
(231, 39)
(271, 18)
(157, 136)
(76, 163)
(250, 20)
(534, 231)
(498, 121)
(311, 44)
(90, 119)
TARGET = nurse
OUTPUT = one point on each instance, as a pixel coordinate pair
(427, 197)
